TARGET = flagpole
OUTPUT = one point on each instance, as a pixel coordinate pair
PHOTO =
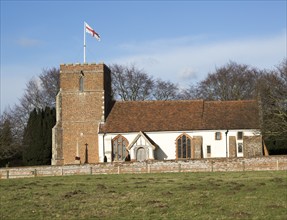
(84, 42)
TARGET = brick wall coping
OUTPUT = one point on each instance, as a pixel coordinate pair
(197, 165)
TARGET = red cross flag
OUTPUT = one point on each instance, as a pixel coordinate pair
(92, 32)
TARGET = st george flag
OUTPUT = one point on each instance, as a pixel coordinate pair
(92, 32)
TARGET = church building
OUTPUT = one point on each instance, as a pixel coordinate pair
(92, 128)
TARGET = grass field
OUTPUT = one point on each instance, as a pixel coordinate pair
(220, 195)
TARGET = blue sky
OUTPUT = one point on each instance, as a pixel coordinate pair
(180, 41)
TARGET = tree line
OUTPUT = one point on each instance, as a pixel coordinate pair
(25, 129)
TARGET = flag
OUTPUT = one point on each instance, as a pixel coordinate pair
(92, 32)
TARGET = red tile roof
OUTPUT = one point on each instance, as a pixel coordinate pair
(179, 115)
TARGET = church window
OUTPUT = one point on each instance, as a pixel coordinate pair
(208, 150)
(188, 148)
(217, 135)
(119, 144)
(239, 135)
(183, 147)
(240, 148)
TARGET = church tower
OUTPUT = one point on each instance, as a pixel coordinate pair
(82, 104)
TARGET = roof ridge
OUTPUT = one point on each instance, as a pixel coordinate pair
(220, 101)
(186, 100)
(150, 101)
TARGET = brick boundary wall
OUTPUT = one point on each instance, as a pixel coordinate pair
(198, 165)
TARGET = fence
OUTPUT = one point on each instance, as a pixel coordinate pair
(200, 165)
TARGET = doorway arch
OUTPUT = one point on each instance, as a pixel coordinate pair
(141, 154)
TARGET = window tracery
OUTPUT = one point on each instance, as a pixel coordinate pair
(183, 147)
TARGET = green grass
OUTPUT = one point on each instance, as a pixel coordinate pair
(220, 195)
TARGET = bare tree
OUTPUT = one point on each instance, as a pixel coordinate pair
(165, 90)
(188, 93)
(9, 148)
(33, 96)
(131, 83)
(41, 92)
(50, 84)
(272, 90)
(230, 82)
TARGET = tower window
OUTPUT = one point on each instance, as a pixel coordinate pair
(81, 82)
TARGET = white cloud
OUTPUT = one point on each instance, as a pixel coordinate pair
(188, 73)
(28, 42)
(185, 60)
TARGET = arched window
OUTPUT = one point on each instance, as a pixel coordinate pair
(183, 147)
(119, 144)
(81, 82)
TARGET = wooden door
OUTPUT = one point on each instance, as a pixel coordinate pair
(141, 154)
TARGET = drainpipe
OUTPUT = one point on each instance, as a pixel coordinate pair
(104, 150)
(226, 133)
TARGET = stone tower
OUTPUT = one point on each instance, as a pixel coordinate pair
(82, 104)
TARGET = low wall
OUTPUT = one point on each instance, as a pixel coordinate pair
(200, 165)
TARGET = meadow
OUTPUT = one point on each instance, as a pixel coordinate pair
(217, 195)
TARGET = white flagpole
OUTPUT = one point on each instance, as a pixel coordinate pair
(84, 42)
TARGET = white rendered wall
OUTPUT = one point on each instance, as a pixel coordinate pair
(167, 145)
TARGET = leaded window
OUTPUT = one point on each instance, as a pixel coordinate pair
(119, 148)
(217, 135)
(208, 149)
(183, 146)
(240, 148)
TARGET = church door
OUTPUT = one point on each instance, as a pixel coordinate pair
(141, 154)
